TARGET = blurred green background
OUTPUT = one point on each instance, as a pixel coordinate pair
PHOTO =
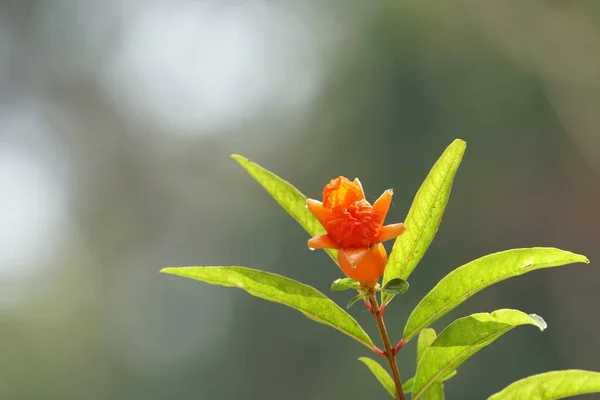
(116, 122)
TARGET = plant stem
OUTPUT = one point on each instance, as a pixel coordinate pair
(389, 350)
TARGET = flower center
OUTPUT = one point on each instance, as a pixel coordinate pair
(353, 225)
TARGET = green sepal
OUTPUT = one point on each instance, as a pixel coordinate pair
(354, 300)
(344, 284)
(395, 286)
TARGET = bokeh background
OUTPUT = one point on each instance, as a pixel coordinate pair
(116, 122)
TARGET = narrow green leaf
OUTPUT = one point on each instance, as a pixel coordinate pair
(344, 284)
(436, 390)
(381, 374)
(288, 197)
(396, 286)
(276, 288)
(407, 386)
(425, 214)
(463, 338)
(354, 300)
(426, 337)
(450, 375)
(552, 385)
(465, 281)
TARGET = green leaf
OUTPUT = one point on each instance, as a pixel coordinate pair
(426, 337)
(465, 281)
(276, 288)
(463, 338)
(381, 374)
(450, 375)
(396, 286)
(407, 386)
(344, 284)
(552, 385)
(354, 300)
(436, 390)
(288, 197)
(425, 215)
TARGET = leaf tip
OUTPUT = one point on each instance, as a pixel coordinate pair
(585, 260)
(239, 158)
(354, 300)
(538, 321)
(581, 258)
(167, 270)
(459, 144)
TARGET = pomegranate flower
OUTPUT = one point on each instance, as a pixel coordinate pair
(355, 228)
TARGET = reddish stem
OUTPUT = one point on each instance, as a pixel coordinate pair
(379, 351)
(368, 304)
(382, 308)
(399, 346)
(389, 350)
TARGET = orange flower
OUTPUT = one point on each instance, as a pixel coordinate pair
(355, 228)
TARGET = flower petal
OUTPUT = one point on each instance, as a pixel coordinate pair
(369, 269)
(341, 192)
(355, 255)
(382, 205)
(359, 185)
(317, 209)
(390, 232)
(322, 242)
